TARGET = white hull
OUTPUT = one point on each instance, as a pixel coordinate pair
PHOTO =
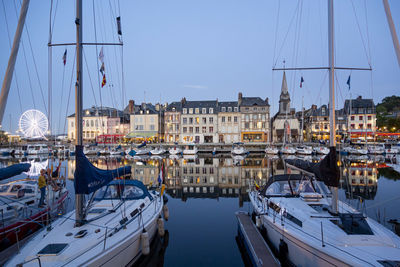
(175, 151)
(271, 151)
(158, 151)
(239, 151)
(288, 150)
(144, 151)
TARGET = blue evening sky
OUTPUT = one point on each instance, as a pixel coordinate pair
(202, 50)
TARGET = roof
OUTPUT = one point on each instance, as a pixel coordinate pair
(201, 104)
(174, 106)
(227, 104)
(253, 101)
(100, 111)
(358, 103)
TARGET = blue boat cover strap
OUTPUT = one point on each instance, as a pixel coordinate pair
(13, 170)
(88, 178)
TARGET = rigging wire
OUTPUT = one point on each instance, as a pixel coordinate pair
(9, 43)
(359, 29)
(369, 48)
(69, 94)
(26, 63)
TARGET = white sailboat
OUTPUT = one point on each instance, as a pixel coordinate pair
(304, 220)
(114, 227)
(239, 149)
(175, 150)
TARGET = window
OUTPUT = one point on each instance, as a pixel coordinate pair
(184, 129)
(204, 110)
(352, 118)
(246, 125)
(369, 118)
(263, 124)
(229, 109)
(211, 110)
(210, 120)
(72, 124)
(236, 109)
(360, 126)
(223, 119)
(190, 129)
(360, 118)
(197, 129)
(255, 109)
(353, 126)
(369, 126)
(254, 116)
(204, 129)
(197, 110)
(229, 119)
(204, 120)
(184, 120)
(317, 126)
(190, 110)
(97, 123)
(152, 127)
(223, 109)
(184, 111)
(254, 125)
(87, 123)
(190, 120)
(211, 129)
(247, 117)
(235, 119)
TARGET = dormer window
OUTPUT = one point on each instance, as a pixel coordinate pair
(147, 111)
(173, 109)
(204, 111)
(223, 109)
(141, 112)
(190, 110)
(236, 109)
(87, 112)
(229, 109)
(211, 110)
(184, 111)
(197, 110)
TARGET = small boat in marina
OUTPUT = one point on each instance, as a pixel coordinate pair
(158, 151)
(90, 150)
(321, 150)
(239, 149)
(175, 150)
(376, 150)
(271, 150)
(286, 149)
(391, 149)
(37, 149)
(304, 150)
(190, 149)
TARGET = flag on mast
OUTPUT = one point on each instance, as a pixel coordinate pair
(104, 81)
(101, 55)
(301, 82)
(65, 57)
(348, 81)
(102, 68)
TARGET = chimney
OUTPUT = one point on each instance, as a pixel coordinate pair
(158, 107)
(240, 96)
(267, 100)
(131, 108)
(359, 97)
(313, 107)
(183, 101)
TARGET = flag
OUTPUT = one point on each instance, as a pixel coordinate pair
(257, 186)
(102, 68)
(301, 82)
(348, 81)
(65, 57)
(161, 175)
(101, 55)
(104, 81)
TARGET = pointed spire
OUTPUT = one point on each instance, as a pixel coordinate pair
(284, 88)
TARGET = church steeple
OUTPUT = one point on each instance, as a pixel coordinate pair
(284, 100)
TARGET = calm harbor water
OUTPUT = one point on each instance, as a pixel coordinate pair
(204, 193)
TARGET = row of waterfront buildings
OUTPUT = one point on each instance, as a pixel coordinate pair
(211, 121)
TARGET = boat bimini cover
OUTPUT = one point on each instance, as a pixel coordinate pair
(13, 170)
(88, 178)
(326, 170)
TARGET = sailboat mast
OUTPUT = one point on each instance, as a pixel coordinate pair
(5, 89)
(79, 198)
(392, 29)
(332, 135)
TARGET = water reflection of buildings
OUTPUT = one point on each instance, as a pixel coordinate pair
(214, 177)
(359, 180)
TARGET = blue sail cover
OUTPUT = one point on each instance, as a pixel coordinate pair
(142, 145)
(13, 170)
(88, 178)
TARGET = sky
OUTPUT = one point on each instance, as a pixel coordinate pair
(198, 49)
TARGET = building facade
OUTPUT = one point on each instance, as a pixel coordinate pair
(361, 118)
(172, 122)
(228, 122)
(199, 121)
(254, 119)
(99, 121)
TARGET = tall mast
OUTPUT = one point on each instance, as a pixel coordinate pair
(332, 135)
(78, 102)
(5, 89)
(392, 29)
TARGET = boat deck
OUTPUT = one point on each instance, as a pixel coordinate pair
(258, 249)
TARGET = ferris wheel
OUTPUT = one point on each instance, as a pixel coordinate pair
(33, 124)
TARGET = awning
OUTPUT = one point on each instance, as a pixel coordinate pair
(141, 134)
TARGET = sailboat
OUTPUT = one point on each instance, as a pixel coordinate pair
(304, 220)
(117, 223)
